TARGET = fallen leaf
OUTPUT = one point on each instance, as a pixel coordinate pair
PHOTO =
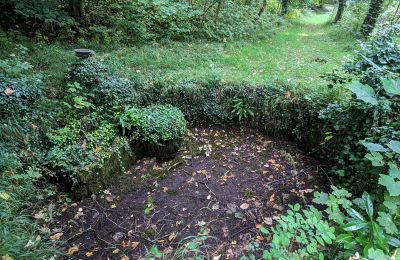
(113, 206)
(124, 257)
(39, 215)
(268, 221)
(56, 236)
(171, 236)
(131, 244)
(89, 254)
(217, 257)
(9, 91)
(115, 251)
(72, 250)
(244, 206)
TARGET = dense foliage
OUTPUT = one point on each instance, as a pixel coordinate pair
(81, 135)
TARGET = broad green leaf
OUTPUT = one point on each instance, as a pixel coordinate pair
(264, 230)
(394, 242)
(391, 181)
(355, 214)
(373, 147)
(394, 146)
(345, 238)
(392, 87)
(355, 225)
(375, 158)
(376, 254)
(369, 206)
(363, 92)
(392, 203)
(386, 221)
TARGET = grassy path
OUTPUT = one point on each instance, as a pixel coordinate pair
(298, 54)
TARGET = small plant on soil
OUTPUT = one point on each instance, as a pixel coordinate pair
(149, 206)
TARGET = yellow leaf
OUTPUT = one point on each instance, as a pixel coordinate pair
(72, 250)
(89, 254)
(113, 206)
(6, 257)
(4, 196)
(56, 236)
(115, 251)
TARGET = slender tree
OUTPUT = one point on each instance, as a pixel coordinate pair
(340, 10)
(263, 6)
(375, 9)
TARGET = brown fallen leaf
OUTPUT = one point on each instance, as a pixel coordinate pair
(56, 236)
(244, 206)
(72, 250)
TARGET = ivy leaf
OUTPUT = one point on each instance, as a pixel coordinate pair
(392, 87)
(373, 147)
(394, 146)
(363, 92)
(375, 158)
(386, 221)
(391, 181)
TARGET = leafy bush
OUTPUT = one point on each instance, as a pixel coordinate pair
(161, 123)
(377, 57)
(17, 96)
(113, 91)
(19, 89)
(87, 72)
(80, 153)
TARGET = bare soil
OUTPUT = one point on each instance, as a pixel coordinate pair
(209, 201)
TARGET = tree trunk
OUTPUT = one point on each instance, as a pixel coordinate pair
(262, 9)
(77, 10)
(375, 8)
(340, 10)
(284, 7)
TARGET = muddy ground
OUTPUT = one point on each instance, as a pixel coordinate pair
(209, 201)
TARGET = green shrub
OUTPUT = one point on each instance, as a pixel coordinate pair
(80, 153)
(87, 72)
(17, 97)
(377, 57)
(161, 123)
(112, 91)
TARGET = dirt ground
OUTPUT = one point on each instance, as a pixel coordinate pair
(209, 201)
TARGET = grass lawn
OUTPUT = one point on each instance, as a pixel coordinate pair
(298, 54)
